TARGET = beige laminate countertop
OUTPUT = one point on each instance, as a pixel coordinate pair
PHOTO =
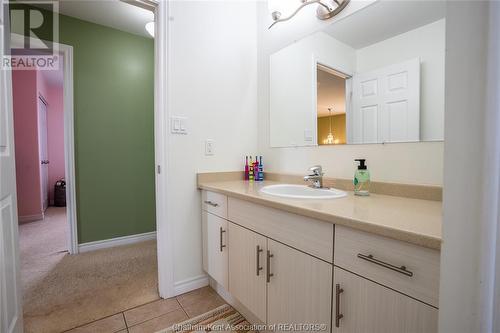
(412, 220)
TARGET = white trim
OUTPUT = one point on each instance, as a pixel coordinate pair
(69, 148)
(187, 285)
(490, 254)
(30, 218)
(118, 241)
(164, 224)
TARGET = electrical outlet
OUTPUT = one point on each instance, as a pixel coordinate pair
(209, 147)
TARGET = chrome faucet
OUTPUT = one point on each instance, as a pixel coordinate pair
(316, 177)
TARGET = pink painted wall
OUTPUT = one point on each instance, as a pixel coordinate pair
(55, 131)
(24, 89)
(26, 86)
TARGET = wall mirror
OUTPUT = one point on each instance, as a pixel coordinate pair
(376, 76)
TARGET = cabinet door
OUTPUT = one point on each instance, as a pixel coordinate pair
(367, 307)
(247, 271)
(215, 247)
(299, 288)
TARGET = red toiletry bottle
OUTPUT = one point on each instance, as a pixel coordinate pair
(246, 168)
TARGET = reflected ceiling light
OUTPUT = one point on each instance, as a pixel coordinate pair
(330, 140)
(150, 28)
(326, 8)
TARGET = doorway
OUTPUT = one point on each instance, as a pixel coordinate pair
(165, 248)
(331, 106)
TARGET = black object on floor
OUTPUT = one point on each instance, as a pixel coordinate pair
(60, 193)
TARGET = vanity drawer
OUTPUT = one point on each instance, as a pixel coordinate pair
(302, 233)
(214, 203)
(381, 259)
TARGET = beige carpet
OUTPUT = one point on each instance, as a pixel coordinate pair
(62, 291)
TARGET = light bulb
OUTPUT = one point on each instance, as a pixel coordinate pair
(150, 28)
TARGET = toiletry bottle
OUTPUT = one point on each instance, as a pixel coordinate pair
(250, 170)
(246, 168)
(361, 179)
(256, 169)
(261, 170)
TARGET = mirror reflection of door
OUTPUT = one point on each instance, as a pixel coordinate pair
(331, 106)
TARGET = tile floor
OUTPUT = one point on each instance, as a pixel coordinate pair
(157, 315)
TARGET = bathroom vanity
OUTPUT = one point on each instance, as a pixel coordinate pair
(352, 264)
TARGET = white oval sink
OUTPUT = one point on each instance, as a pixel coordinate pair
(302, 192)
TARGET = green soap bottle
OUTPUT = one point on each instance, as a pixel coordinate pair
(361, 179)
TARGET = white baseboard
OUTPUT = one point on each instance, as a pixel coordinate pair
(118, 241)
(30, 218)
(187, 285)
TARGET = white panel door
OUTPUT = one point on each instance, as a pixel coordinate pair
(42, 149)
(386, 104)
(10, 291)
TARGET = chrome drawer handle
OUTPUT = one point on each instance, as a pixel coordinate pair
(221, 244)
(338, 315)
(268, 264)
(213, 204)
(399, 269)
(258, 251)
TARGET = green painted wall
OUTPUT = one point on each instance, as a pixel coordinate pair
(114, 129)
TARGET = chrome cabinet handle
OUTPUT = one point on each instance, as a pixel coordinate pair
(259, 250)
(213, 204)
(399, 269)
(268, 262)
(221, 245)
(338, 315)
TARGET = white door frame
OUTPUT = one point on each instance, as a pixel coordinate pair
(164, 225)
(69, 147)
(338, 71)
(66, 51)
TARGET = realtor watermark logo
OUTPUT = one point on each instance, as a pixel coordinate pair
(30, 32)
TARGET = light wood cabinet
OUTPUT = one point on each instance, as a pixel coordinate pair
(367, 307)
(247, 278)
(214, 203)
(281, 267)
(380, 259)
(303, 233)
(215, 249)
(299, 288)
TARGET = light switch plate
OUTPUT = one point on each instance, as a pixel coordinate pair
(308, 135)
(209, 147)
(178, 125)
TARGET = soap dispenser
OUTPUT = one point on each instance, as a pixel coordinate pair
(361, 179)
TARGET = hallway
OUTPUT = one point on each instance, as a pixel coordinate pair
(61, 292)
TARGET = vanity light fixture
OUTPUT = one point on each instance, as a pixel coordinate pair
(326, 8)
(150, 28)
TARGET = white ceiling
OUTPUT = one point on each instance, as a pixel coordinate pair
(385, 19)
(331, 94)
(112, 13)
